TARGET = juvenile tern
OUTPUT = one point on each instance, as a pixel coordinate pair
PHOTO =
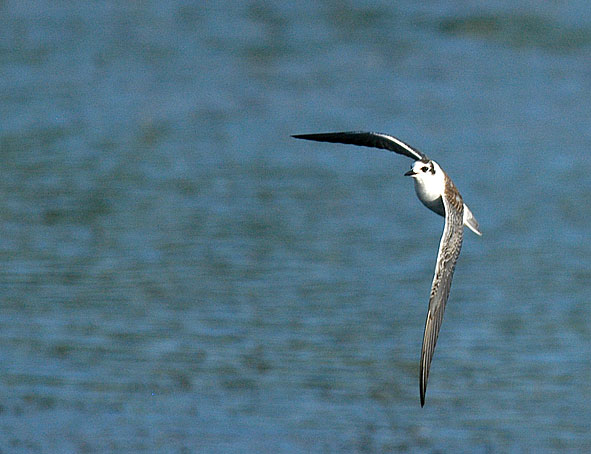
(436, 191)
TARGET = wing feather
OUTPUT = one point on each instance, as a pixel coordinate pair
(367, 139)
(449, 250)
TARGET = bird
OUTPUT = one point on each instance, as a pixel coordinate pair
(436, 190)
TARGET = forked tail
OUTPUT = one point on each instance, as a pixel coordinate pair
(470, 221)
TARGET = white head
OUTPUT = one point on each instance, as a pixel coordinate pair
(429, 179)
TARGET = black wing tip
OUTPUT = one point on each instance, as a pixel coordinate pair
(346, 137)
(309, 136)
(423, 391)
(325, 134)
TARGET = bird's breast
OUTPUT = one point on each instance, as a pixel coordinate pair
(430, 196)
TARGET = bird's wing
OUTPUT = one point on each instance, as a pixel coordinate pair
(367, 139)
(449, 250)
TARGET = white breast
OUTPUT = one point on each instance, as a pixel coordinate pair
(428, 190)
(430, 197)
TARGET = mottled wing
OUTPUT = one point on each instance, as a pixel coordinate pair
(449, 250)
(367, 139)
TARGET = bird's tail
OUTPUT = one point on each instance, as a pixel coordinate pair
(470, 221)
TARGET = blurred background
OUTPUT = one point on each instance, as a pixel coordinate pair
(179, 275)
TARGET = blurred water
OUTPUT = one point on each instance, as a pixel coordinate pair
(181, 276)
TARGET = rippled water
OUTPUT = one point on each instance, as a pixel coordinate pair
(181, 276)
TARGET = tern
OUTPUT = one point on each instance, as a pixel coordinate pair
(436, 191)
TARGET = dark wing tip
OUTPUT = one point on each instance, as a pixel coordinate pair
(422, 384)
(325, 136)
(318, 135)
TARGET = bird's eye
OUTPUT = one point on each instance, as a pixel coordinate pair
(424, 169)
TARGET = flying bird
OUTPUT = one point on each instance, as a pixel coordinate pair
(436, 191)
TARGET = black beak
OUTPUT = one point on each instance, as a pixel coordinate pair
(410, 173)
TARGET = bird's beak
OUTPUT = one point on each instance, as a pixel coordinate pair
(410, 173)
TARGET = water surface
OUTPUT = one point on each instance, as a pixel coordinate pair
(181, 276)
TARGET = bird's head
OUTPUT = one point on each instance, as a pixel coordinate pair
(427, 172)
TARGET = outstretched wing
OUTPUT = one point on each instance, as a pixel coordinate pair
(367, 139)
(449, 250)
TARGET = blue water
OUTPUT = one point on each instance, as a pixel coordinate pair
(179, 275)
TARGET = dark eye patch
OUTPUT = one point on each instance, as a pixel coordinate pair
(424, 169)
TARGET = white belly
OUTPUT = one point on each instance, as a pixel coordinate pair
(430, 195)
